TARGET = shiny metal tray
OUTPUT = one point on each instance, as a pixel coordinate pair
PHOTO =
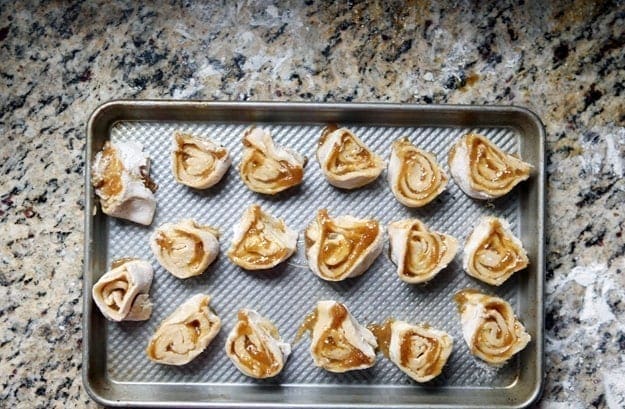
(116, 371)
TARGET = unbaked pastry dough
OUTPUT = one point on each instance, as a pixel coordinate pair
(482, 170)
(342, 247)
(198, 163)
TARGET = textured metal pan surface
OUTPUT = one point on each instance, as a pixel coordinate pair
(116, 368)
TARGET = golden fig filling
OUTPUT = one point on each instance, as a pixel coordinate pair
(251, 351)
(333, 344)
(425, 251)
(420, 177)
(421, 353)
(382, 333)
(349, 156)
(498, 255)
(180, 338)
(497, 333)
(110, 182)
(491, 169)
(340, 247)
(260, 169)
(182, 248)
(195, 161)
(259, 246)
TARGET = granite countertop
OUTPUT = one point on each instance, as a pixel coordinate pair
(60, 60)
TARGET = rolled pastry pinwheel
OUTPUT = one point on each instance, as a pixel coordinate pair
(414, 175)
(418, 252)
(420, 351)
(482, 170)
(185, 249)
(254, 346)
(122, 294)
(342, 247)
(185, 333)
(346, 161)
(266, 167)
(490, 328)
(120, 176)
(198, 163)
(492, 253)
(261, 241)
(339, 343)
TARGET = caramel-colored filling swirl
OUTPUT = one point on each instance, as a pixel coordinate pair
(420, 178)
(425, 251)
(349, 156)
(421, 353)
(259, 246)
(194, 162)
(251, 351)
(333, 345)
(491, 169)
(340, 247)
(497, 257)
(182, 249)
(110, 182)
(265, 173)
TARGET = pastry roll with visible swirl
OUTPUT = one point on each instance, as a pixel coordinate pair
(261, 241)
(490, 328)
(419, 350)
(120, 176)
(185, 333)
(339, 343)
(482, 170)
(254, 346)
(185, 249)
(198, 163)
(342, 247)
(492, 253)
(122, 294)
(345, 160)
(418, 252)
(266, 167)
(414, 175)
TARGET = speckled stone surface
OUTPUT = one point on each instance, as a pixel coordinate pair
(60, 60)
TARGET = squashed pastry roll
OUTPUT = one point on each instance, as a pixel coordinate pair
(482, 170)
(261, 241)
(122, 294)
(185, 249)
(420, 351)
(120, 176)
(255, 347)
(342, 247)
(418, 252)
(489, 326)
(185, 333)
(414, 175)
(266, 167)
(339, 343)
(492, 253)
(345, 160)
(198, 163)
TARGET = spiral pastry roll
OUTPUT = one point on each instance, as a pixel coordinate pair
(419, 350)
(185, 249)
(345, 160)
(492, 253)
(120, 176)
(254, 346)
(122, 294)
(490, 328)
(185, 333)
(339, 343)
(482, 170)
(269, 168)
(198, 163)
(418, 252)
(261, 241)
(414, 175)
(342, 247)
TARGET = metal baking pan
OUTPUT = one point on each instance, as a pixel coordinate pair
(116, 371)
